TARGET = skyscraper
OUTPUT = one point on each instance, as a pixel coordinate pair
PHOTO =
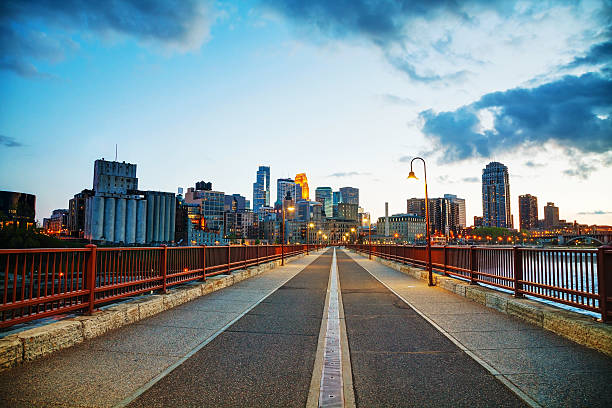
(551, 215)
(461, 208)
(324, 195)
(261, 189)
(287, 185)
(528, 212)
(496, 196)
(303, 182)
(350, 195)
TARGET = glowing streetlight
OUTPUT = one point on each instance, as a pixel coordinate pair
(290, 209)
(412, 176)
(310, 226)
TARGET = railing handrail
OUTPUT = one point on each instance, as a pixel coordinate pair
(42, 282)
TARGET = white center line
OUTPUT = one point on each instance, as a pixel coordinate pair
(331, 392)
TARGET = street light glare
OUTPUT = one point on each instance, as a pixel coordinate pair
(290, 208)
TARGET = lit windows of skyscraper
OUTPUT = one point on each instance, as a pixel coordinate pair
(496, 196)
(287, 185)
(551, 215)
(324, 195)
(528, 212)
(461, 222)
(261, 189)
(303, 182)
(350, 195)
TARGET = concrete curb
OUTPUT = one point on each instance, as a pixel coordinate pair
(574, 326)
(37, 342)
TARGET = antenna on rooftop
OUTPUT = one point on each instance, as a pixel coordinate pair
(115, 151)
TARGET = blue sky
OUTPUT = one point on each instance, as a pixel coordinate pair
(347, 91)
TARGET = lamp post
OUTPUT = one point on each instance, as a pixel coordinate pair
(369, 237)
(283, 235)
(310, 226)
(353, 231)
(412, 176)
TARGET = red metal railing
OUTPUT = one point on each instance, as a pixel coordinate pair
(580, 278)
(37, 283)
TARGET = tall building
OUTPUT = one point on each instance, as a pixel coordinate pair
(118, 212)
(551, 215)
(528, 212)
(496, 196)
(462, 223)
(261, 189)
(235, 203)
(348, 211)
(76, 215)
(443, 214)
(350, 195)
(303, 182)
(212, 204)
(284, 186)
(324, 195)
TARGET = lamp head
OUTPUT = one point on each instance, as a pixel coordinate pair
(411, 176)
(290, 208)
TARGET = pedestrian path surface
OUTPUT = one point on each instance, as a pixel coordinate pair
(265, 359)
(107, 370)
(399, 359)
(551, 370)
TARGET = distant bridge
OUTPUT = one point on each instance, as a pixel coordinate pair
(601, 238)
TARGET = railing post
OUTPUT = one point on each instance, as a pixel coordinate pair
(473, 265)
(164, 267)
(257, 255)
(604, 281)
(517, 258)
(91, 277)
(229, 258)
(445, 261)
(204, 263)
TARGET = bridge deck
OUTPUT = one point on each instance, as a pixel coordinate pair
(254, 344)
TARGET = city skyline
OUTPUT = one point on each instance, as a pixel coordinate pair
(231, 82)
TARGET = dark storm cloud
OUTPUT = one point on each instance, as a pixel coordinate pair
(6, 141)
(24, 32)
(575, 112)
(598, 54)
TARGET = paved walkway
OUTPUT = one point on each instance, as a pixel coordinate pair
(106, 370)
(260, 343)
(549, 369)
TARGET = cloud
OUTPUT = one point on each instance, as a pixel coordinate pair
(567, 111)
(596, 212)
(387, 24)
(348, 174)
(582, 172)
(598, 54)
(397, 100)
(7, 141)
(534, 165)
(38, 30)
(470, 180)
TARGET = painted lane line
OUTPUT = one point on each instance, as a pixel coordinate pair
(331, 393)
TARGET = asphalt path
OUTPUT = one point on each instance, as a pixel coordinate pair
(265, 359)
(398, 359)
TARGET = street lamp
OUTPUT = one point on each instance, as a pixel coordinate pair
(369, 237)
(310, 226)
(412, 176)
(290, 209)
(353, 230)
